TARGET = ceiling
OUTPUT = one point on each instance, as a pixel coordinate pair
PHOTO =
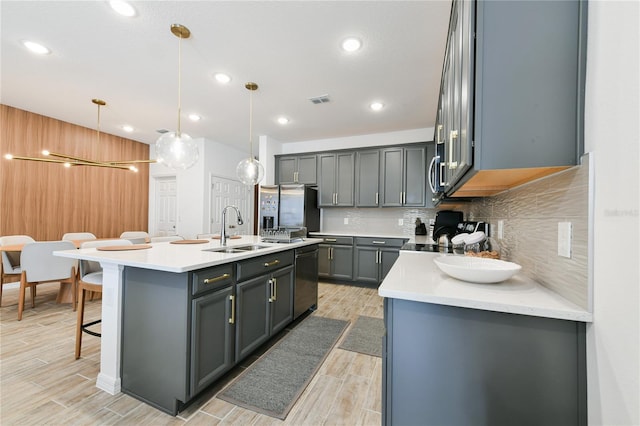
(291, 49)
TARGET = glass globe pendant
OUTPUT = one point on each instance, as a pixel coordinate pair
(249, 170)
(177, 150)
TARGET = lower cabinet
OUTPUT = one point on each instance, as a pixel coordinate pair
(183, 331)
(335, 258)
(374, 257)
(265, 306)
(445, 365)
(211, 337)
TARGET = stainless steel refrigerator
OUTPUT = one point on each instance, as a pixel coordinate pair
(289, 207)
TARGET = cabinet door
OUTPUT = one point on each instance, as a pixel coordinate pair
(307, 169)
(324, 260)
(345, 171)
(415, 176)
(287, 167)
(211, 338)
(367, 178)
(430, 153)
(252, 315)
(281, 299)
(392, 177)
(342, 262)
(387, 258)
(326, 179)
(366, 264)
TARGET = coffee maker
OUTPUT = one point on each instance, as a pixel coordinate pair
(446, 226)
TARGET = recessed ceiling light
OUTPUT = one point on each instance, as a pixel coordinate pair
(351, 44)
(36, 47)
(123, 8)
(222, 78)
(283, 120)
(194, 117)
(376, 106)
(127, 128)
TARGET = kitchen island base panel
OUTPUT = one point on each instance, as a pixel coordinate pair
(452, 366)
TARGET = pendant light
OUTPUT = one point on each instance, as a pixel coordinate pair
(250, 171)
(177, 150)
(70, 160)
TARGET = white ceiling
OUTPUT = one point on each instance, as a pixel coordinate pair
(290, 48)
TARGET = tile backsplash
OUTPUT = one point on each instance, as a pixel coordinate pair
(374, 221)
(530, 214)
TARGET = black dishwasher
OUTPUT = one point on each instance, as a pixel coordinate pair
(305, 295)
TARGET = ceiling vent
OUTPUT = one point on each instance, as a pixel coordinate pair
(322, 99)
(162, 131)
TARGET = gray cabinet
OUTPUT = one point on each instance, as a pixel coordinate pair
(368, 178)
(264, 300)
(336, 179)
(403, 176)
(512, 93)
(335, 258)
(297, 169)
(192, 315)
(445, 365)
(374, 257)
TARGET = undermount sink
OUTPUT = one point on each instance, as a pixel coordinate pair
(237, 249)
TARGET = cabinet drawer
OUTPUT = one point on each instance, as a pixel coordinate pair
(380, 242)
(264, 264)
(328, 239)
(212, 278)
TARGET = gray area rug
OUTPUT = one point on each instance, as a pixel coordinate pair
(365, 336)
(273, 383)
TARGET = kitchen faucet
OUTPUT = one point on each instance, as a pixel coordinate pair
(223, 232)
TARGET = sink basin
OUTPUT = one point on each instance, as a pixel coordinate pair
(236, 249)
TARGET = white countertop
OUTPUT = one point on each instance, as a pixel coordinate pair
(416, 277)
(178, 258)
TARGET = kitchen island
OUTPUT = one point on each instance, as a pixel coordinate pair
(158, 304)
(464, 353)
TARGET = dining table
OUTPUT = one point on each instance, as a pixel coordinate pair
(65, 294)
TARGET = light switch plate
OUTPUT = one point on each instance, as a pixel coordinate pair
(400, 222)
(346, 220)
(564, 239)
(501, 229)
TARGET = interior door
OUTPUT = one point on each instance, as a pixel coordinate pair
(166, 205)
(229, 192)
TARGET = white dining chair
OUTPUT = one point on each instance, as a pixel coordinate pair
(10, 266)
(90, 281)
(74, 236)
(166, 238)
(136, 237)
(39, 265)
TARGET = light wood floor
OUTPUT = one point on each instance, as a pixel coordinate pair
(42, 383)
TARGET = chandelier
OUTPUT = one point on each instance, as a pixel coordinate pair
(70, 160)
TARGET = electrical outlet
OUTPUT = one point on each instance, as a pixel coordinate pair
(564, 239)
(501, 229)
(346, 220)
(400, 222)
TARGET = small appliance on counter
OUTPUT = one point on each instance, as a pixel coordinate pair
(446, 226)
(421, 228)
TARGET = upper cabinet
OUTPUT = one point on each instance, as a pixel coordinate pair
(297, 169)
(403, 177)
(368, 178)
(336, 179)
(511, 102)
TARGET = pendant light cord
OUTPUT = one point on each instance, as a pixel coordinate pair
(250, 124)
(98, 129)
(179, 83)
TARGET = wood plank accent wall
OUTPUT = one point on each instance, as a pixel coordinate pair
(46, 200)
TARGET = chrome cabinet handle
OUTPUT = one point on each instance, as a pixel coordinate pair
(330, 240)
(377, 201)
(452, 135)
(232, 320)
(273, 263)
(438, 139)
(270, 290)
(431, 171)
(216, 279)
(378, 242)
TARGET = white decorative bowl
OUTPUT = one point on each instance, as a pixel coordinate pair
(477, 269)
